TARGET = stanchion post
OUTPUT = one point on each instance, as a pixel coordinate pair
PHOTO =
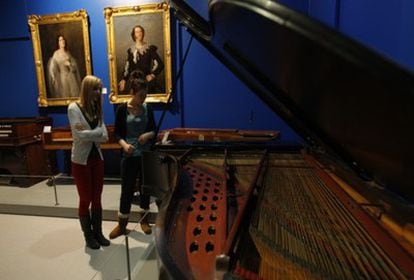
(127, 256)
(51, 182)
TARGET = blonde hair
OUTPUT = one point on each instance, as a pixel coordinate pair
(89, 85)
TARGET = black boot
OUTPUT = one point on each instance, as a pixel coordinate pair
(91, 242)
(97, 228)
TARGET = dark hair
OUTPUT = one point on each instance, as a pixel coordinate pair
(57, 41)
(138, 82)
(133, 32)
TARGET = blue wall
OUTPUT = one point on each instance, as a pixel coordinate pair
(209, 95)
(386, 26)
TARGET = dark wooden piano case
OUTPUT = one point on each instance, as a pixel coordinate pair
(340, 206)
(21, 151)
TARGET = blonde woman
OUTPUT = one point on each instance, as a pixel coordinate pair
(88, 131)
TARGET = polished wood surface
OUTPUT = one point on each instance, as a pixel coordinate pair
(21, 131)
(341, 208)
(60, 138)
(216, 135)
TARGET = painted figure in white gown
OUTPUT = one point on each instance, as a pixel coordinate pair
(63, 72)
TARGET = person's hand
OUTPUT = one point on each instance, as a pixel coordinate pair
(144, 138)
(128, 149)
(79, 127)
(121, 85)
(150, 77)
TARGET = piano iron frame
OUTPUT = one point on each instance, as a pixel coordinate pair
(207, 176)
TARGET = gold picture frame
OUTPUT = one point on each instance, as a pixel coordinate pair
(152, 57)
(61, 55)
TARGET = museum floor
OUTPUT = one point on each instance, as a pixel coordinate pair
(41, 237)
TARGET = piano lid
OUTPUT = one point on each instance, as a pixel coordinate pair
(342, 98)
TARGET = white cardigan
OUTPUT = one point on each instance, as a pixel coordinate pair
(84, 139)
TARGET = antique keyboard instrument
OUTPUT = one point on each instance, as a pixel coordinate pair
(60, 138)
(338, 206)
(278, 213)
(23, 161)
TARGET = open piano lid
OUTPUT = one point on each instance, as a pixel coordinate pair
(343, 99)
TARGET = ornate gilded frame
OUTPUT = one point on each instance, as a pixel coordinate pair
(44, 32)
(155, 18)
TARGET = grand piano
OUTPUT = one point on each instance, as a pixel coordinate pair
(338, 206)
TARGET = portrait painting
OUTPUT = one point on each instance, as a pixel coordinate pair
(138, 39)
(61, 55)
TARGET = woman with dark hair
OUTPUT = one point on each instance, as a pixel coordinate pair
(141, 57)
(88, 131)
(134, 128)
(63, 72)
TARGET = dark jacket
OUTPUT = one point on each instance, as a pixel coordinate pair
(120, 121)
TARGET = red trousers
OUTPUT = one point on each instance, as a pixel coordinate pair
(89, 182)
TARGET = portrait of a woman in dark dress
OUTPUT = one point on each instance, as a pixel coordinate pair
(141, 56)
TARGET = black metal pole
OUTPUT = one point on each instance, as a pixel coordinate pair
(173, 90)
(127, 257)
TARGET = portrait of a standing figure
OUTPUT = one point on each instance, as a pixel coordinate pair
(139, 42)
(141, 56)
(63, 72)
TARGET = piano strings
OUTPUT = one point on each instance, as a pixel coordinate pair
(302, 230)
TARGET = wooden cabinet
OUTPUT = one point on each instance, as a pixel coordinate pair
(60, 138)
(21, 151)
